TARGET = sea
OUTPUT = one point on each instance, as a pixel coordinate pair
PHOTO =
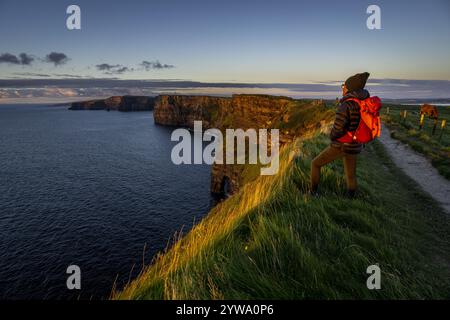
(91, 189)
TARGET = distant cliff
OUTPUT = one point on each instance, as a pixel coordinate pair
(293, 117)
(173, 110)
(119, 103)
(239, 111)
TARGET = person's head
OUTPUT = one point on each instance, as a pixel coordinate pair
(344, 89)
(355, 83)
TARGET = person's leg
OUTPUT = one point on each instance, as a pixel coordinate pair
(350, 172)
(328, 155)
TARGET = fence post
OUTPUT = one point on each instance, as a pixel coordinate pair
(444, 122)
(387, 110)
(404, 115)
(422, 118)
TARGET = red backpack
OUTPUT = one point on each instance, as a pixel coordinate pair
(370, 124)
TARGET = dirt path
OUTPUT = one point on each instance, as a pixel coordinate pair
(418, 168)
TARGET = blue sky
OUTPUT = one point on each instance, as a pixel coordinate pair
(229, 41)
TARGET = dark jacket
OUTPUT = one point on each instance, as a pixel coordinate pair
(347, 119)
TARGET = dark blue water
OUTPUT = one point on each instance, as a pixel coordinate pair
(91, 188)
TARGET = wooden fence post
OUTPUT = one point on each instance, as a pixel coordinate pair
(387, 110)
(444, 122)
(422, 118)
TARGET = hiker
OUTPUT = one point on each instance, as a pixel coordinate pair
(357, 122)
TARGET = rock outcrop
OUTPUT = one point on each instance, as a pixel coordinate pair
(184, 110)
(239, 111)
(119, 103)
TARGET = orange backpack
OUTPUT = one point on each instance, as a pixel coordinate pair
(370, 124)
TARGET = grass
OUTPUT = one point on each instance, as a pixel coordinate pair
(272, 240)
(435, 147)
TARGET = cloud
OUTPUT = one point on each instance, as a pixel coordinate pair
(67, 75)
(106, 66)
(9, 58)
(49, 75)
(121, 70)
(57, 58)
(149, 65)
(26, 59)
(32, 74)
(113, 68)
(23, 59)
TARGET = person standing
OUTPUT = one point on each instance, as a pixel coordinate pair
(349, 132)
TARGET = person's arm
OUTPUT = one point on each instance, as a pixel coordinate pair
(340, 123)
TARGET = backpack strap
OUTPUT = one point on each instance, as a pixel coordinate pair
(353, 134)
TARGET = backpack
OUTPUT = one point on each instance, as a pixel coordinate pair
(370, 124)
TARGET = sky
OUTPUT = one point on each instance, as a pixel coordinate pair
(263, 42)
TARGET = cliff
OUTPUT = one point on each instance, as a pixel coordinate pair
(239, 111)
(274, 240)
(173, 110)
(293, 117)
(118, 103)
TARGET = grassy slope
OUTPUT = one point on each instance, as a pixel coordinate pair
(435, 148)
(273, 241)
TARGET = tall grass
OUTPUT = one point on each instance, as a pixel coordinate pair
(272, 240)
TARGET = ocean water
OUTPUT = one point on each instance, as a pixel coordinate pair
(92, 188)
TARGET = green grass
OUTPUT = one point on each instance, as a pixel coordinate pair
(272, 240)
(435, 147)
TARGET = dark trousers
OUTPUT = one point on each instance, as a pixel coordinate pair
(328, 155)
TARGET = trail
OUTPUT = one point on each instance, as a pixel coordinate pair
(418, 168)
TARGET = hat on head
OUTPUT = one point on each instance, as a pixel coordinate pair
(357, 81)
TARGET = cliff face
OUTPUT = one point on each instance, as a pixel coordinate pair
(292, 117)
(184, 110)
(119, 103)
(239, 111)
